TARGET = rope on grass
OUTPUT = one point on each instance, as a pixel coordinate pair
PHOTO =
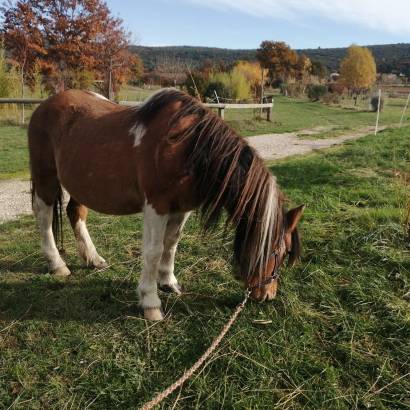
(188, 373)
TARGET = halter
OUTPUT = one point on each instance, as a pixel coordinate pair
(275, 274)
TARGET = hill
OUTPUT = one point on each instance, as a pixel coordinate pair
(389, 57)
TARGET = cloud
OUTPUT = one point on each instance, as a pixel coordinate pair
(384, 16)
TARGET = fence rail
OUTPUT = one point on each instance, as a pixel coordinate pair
(21, 100)
(267, 107)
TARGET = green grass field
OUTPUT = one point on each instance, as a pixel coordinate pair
(14, 162)
(292, 115)
(340, 331)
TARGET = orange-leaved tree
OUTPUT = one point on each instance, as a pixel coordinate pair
(23, 39)
(280, 60)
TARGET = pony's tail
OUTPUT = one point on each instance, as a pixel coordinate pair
(57, 224)
(58, 219)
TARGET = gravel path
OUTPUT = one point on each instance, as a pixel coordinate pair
(275, 146)
(15, 194)
(15, 199)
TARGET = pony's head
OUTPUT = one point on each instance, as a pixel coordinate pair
(263, 285)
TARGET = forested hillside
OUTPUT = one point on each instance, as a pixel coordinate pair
(389, 57)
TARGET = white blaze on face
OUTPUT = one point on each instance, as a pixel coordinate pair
(138, 131)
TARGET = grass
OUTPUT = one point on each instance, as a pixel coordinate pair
(340, 331)
(291, 115)
(323, 133)
(14, 161)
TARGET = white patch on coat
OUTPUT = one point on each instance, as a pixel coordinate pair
(175, 225)
(99, 96)
(138, 131)
(44, 215)
(153, 245)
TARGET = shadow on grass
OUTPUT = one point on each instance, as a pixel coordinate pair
(90, 300)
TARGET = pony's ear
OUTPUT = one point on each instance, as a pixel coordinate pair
(293, 217)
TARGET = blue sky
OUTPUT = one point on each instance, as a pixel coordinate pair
(245, 23)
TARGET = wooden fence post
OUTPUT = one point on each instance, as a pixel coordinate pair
(221, 112)
(378, 113)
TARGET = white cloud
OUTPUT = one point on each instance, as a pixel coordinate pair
(386, 16)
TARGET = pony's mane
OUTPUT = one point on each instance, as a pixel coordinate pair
(228, 174)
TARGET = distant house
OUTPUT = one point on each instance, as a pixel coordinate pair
(389, 79)
(334, 76)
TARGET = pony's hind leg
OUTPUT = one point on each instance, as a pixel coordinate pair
(155, 226)
(166, 278)
(44, 215)
(77, 214)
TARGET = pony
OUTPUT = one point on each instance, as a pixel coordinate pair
(164, 158)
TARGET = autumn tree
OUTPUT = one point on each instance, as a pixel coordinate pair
(358, 69)
(4, 81)
(75, 41)
(303, 70)
(115, 64)
(280, 60)
(22, 38)
(252, 71)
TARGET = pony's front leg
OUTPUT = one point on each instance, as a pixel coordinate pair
(153, 245)
(166, 279)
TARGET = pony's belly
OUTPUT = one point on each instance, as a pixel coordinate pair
(108, 198)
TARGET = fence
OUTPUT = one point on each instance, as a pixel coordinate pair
(267, 107)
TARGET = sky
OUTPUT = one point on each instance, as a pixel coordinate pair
(245, 23)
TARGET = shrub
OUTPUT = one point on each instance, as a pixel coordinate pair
(283, 87)
(374, 103)
(293, 89)
(221, 89)
(317, 91)
(235, 84)
(337, 88)
(330, 98)
(199, 80)
(241, 87)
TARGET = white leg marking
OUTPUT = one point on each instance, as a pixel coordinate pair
(44, 215)
(153, 245)
(85, 246)
(175, 225)
(138, 130)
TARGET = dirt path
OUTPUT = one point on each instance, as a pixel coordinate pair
(15, 199)
(275, 146)
(15, 194)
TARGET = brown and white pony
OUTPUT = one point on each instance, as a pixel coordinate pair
(165, 158)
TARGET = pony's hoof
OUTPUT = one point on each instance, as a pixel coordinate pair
(173, 288)
(61, 272)
(100, 263)
(153, 314)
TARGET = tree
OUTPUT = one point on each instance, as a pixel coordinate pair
(115, 64)
(280, 60)
(303, 70)
(252, 71)
(358, 69)
(74, 41)
(23, 40)
(4, 81)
